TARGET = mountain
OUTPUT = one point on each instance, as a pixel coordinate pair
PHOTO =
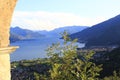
(70, 29)
(15, 37)
(105, 33)
(18, 33)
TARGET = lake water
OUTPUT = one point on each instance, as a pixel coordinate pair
(32, 49)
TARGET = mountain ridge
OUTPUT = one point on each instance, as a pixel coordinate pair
(57, 31)
(18, 33)
(104, 33)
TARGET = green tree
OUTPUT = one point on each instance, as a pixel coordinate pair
(67, 64)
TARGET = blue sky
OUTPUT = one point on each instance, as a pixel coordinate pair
(50, 14)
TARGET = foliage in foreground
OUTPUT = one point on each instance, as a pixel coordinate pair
(115, 76)
(67, 64)
(64, 63)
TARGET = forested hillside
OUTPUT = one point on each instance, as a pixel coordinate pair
(105, 33)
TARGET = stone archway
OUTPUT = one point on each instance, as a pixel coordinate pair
(6, 11)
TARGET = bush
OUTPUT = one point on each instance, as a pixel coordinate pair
(68, 65)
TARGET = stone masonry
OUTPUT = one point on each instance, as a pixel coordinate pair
(6, 10)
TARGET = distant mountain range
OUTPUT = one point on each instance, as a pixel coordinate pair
(18, 33)
(105, 33)
(57, 31)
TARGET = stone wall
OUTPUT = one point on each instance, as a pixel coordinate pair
(6, 10)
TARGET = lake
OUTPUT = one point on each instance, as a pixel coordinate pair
(34, 48)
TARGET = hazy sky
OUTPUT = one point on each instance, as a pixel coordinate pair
(50, 14)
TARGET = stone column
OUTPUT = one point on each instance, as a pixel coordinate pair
(5, 62)
(6, 10)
